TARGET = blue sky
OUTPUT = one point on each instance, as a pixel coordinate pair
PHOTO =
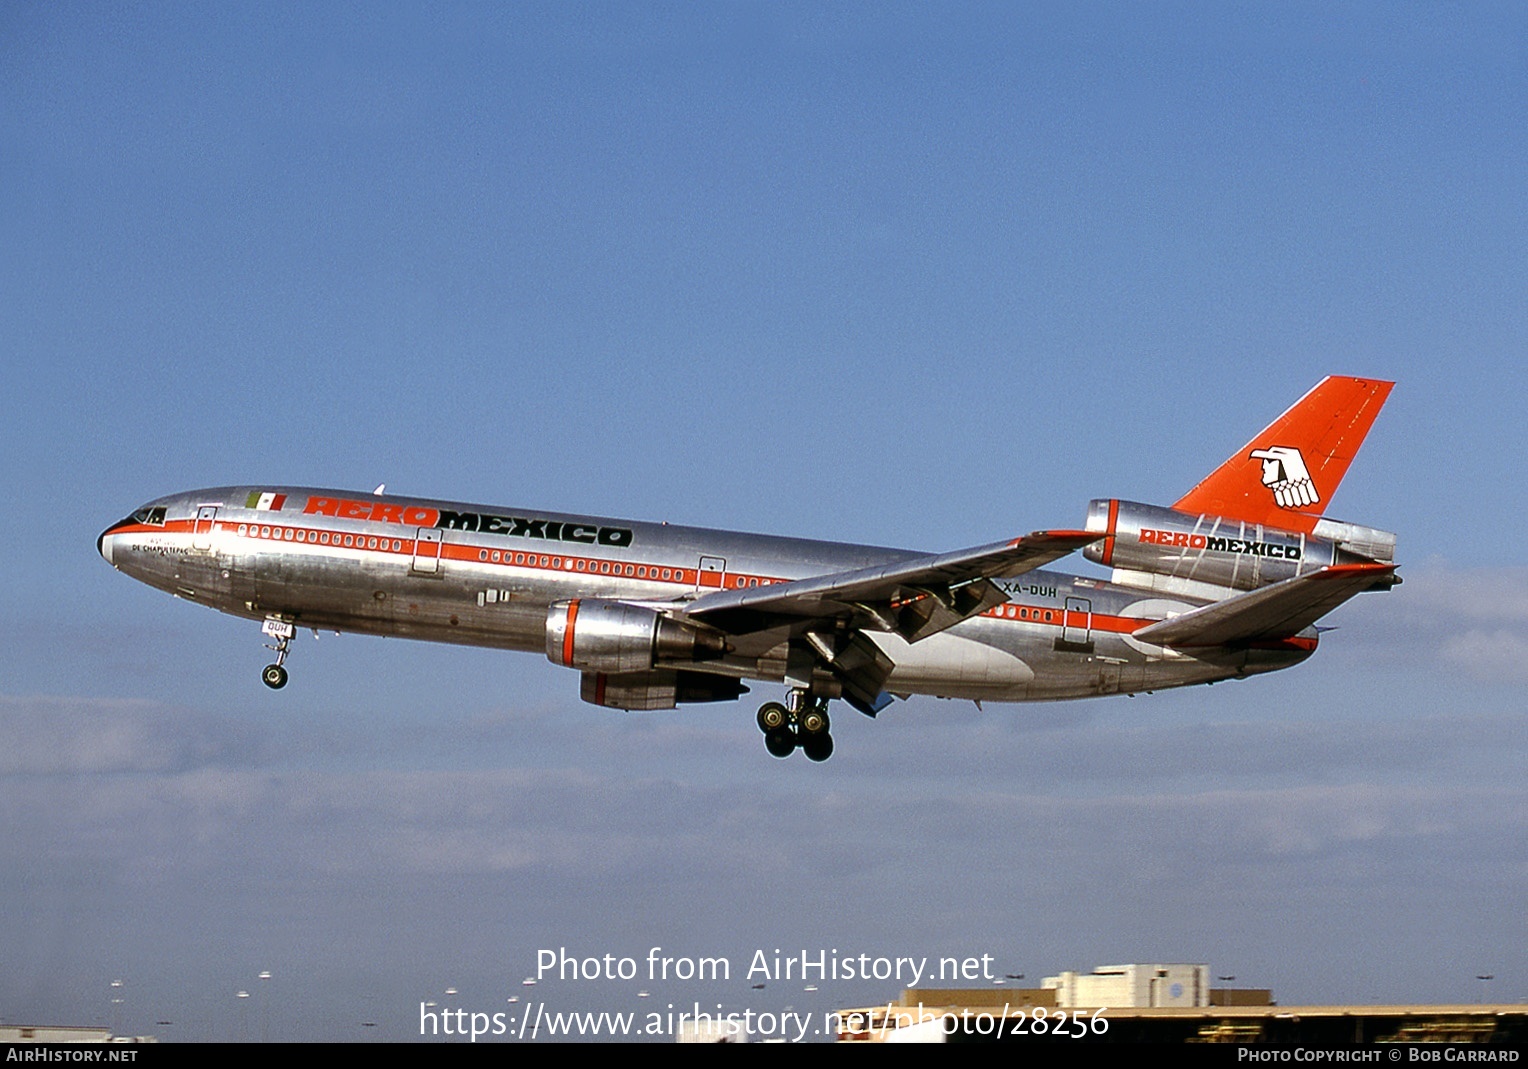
(882, 273)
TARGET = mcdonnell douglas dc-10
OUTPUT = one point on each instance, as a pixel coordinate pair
(1228, 582)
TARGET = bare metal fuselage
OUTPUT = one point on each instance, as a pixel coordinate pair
(487, 576)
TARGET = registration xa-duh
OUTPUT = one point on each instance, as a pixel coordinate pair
(1228, 581)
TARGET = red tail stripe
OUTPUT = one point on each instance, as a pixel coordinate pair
(1108, 560)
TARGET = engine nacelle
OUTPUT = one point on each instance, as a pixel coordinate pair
(663, 688)
(598, 635)
(1164, 549)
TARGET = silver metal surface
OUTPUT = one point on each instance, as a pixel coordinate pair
(496, 588)
(653, 615)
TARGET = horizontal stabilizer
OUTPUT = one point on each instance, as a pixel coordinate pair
(1279, 611)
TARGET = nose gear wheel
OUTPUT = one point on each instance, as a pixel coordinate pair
(283, 631)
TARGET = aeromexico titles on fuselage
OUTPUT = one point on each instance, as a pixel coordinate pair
(1248, 546)
(342, 508)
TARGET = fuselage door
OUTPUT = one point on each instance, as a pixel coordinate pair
(1076, 627)
(712, 573)
(201, 532)
(427, 551)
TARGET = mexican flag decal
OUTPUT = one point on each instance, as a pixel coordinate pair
(265, 502)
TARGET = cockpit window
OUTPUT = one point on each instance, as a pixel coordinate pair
(152, 517)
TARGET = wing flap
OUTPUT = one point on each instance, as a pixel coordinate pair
(858, 664)
(1273, 612)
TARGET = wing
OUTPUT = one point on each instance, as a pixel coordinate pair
(824, 618)
(915, 598)
(1274, 612)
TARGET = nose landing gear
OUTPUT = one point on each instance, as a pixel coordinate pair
(802, 723)
(275, 675)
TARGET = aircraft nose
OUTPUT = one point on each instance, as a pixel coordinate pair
(103, 547)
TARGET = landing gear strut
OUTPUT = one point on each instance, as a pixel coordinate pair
(802, 722)
(274, 675)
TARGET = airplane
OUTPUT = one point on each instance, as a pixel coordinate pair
(1227, 582)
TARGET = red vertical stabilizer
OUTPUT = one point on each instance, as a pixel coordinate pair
(1286, 475)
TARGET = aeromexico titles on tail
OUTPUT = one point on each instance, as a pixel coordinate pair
(1227, 582)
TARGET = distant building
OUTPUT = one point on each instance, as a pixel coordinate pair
(1184, 986)
(1164, 1004)
(59, 1033)
(711, 1030)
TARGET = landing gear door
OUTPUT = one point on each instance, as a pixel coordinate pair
(712, 573)
(206, 520)
(427, 551)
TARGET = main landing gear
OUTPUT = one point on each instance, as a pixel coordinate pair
(274, 675)
(802, 722)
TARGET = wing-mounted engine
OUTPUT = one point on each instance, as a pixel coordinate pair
(662, 688)
(599, 635)
(1158, 548)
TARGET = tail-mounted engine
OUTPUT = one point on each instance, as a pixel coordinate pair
(598, 635)
(1163, 549)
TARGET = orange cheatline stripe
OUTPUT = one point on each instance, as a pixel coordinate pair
(475, 554)
(1298, 642)
(168, 527)
(465, 553)
(1122, 625)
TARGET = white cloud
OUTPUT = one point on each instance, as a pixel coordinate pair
(1498, 655)
(48, 735)
(1469, 619)
(1473, 594)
